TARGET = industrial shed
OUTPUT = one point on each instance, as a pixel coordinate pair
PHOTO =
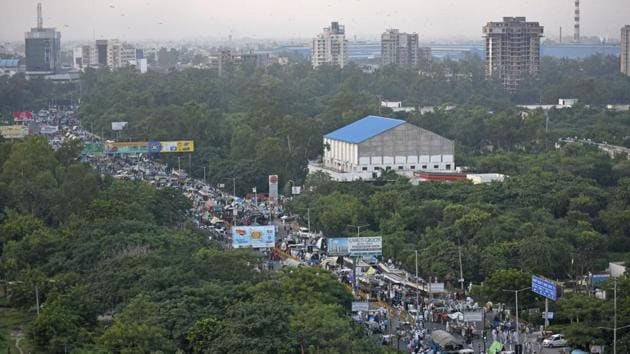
(362, 149)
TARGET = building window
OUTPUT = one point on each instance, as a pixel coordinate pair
(364, 168)
(376, 168)
(436, 166)
(413, 167)
(448, 166)
(400, 167)
(424, 167)
(387, 168)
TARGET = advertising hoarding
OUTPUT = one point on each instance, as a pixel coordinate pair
(13, 131)
(544, 287)
(338, 246)
(253, 236)
(118, 125)
(92, 149)
(131, 147)
(22, 116)
(362, 306)
(273, 187)
(171, 146)
(355, 246)
(48, 129)
(365, 246)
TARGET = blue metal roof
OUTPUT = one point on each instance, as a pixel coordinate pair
(364, 129)
(9, 63)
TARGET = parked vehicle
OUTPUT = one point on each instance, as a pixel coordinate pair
(556, 340)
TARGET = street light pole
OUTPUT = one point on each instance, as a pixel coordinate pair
(417, 290)
(355, 260)
(516, 295)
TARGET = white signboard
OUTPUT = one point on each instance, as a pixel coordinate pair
(296, 190)
(436, 288)
(363, 306)
(48, 129)
(473, 316)
(118, 125)
(365, 246)
(273, 188)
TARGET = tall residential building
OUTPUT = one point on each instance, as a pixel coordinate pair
(512, 50)
(625, 50)
(42, 46)
(330, 47)
(402, 49)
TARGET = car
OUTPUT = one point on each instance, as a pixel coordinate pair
(556, 340)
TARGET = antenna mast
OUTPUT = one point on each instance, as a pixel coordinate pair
(40, 19)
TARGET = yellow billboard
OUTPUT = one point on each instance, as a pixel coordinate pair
(13, 131)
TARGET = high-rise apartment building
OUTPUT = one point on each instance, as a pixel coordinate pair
(113, 54)
(42, 47)
(512, 50)
(625, 50)
(402, 49)
(330, 47)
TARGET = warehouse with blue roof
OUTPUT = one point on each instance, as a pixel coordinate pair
(368, 146)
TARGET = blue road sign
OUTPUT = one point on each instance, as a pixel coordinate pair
(545, 287)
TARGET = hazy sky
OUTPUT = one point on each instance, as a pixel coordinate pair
(176, 19)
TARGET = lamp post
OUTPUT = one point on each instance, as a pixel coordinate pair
(516, 296)
(615, 328)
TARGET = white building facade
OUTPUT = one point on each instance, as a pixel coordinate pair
(330, 47)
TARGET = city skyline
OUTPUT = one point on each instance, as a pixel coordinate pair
(284, 19)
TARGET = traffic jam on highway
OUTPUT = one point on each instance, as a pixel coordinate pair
(401, 309)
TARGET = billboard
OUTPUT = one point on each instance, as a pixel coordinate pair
(365, 246)
(22, 116)
(544, 287)
(118, 125)
(362, 306)
(355, 246)
(92, 149)
(131, 147)
(273, 187)
(171, 146)
(13, 131)
(295, 190)
(338, 246)
(253, 236)
(48, 129)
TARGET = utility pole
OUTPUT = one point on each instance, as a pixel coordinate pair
(615, 318)
(204, 174)
(308, 219)
(417, 290)
(516, 295)
(37, 298)
(355, 259)
(461, 271)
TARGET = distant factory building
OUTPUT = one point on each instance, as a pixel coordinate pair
(366, 148)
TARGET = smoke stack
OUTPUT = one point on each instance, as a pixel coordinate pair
(576, 26)
(40, 19)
